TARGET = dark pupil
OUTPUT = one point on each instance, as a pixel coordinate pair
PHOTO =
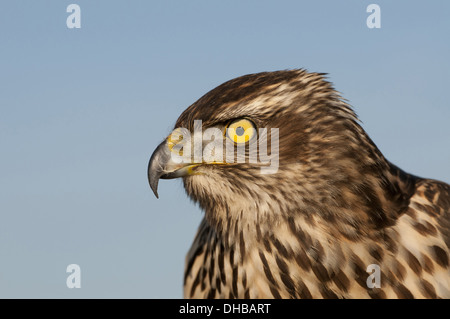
(240, 131)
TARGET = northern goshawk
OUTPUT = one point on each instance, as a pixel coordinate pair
(332, 206)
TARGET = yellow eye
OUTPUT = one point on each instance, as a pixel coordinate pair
(241, 131)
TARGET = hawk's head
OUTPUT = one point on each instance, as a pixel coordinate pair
(322, 163)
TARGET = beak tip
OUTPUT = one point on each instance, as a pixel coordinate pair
(155, 191)
(157, 161)
(153, 181)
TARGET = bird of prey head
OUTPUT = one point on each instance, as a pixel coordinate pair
(310, 227)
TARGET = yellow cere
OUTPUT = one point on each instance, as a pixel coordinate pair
(174, 138)
(241, 131)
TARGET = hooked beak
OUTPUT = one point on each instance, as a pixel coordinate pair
(162, 166)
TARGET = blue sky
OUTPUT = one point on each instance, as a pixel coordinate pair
(81, 111)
